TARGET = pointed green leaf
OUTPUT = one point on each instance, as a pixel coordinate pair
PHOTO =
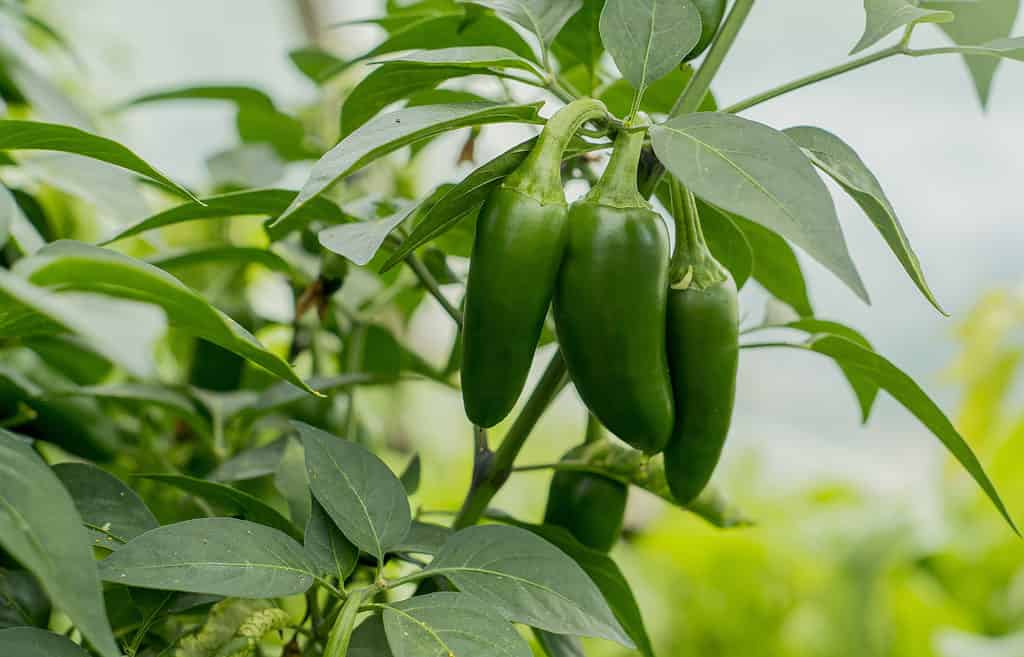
(369, 639)
(252, 463)
(139, 394)
(364, 498)
(906, 391)
(756, 172)
(34, 642)
(42, 530)
(545, 18)
(327, 547)
(73, 265)
(389, 132)
(977, 23)
(649, 38)
(469, 57)
(256, 202)
(883, 17)
(32, 135)
(527, 580)
(30, 311)
(113, 513)
(833, 156)
(452, 625)
(234, 500)
(218, 556)
(606, 575)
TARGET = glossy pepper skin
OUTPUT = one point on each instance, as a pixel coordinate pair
(703, 347)
(519, 243)
(590, 506)
(711, 14)
(609, 305)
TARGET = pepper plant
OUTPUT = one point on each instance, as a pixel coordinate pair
(185, 472)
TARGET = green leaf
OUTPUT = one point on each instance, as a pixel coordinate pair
(29, 311)
(253, 463)
(141, 394)
(606, 575)
(369, 639)
(659, 97)
(865, 389)
(218, 556)
(22, 600)
(411, 475)
(34, 642)
(73, 265)
(291, 480)
(256, 202)
(649, 38)
(451, 29)
(327, 547)
(424, 538)
(580, 43)
(545, 18)
(258, 119)
(236, 501)
(883, 17)
(113, 513)
(473, 58)
(756, 172)
(32, 135)
(978, 23)
(903, 389)
(450, 624)
(364, 498)
(227, 255)
(776, 267)
(387, 84)
(527, 580)
(42, 530)
(316, 64)
(833, 156)
(359, 241)
(280, 395)
(389, 132)
(559, 645)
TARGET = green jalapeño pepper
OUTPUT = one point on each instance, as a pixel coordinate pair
(711, 14)
(519, 242)
(703, 350)
(590, 506)
(609, 304)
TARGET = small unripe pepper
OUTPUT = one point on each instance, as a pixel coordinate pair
(609, 304)
(703, 350)
(519, 243)
(589, 505)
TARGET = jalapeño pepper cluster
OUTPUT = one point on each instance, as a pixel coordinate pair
(649, 337)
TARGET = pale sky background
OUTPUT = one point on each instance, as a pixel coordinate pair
(953, 173)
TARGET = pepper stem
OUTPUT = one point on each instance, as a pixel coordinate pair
(617, 186)
(693, 265)
(540, 174)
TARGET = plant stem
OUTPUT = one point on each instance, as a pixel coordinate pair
(700, 83)
(430, 283)
(495, 474)
(337, 642)
(852, 65)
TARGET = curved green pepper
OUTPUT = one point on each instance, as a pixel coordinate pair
(519, 242)
(711, 14)
(703, 351)
(609, 304)
(590, 506)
